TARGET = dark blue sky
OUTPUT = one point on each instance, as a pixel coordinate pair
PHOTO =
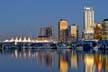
(25, 17)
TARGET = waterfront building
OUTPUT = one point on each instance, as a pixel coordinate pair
(62, 30)
(19, 39)
(105, 29)
(74, 31)
(24, 39)
(16, 39)
(65, 35)
(50, 31)
(42, 32)
(88, 23)
(29, 40)
(98, 32)
(46, 32)
(12, 40)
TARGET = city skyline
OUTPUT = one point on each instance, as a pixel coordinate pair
(24, 18)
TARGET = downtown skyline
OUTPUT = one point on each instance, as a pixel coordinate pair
(24, 18)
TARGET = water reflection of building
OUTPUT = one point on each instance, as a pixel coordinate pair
(63, 64)
(46, 58)
(79, 63)
(43, 58)
(107, 63)
(89, 62)
(99, 63)
(23, 54)
(74, 61)
(104, 63)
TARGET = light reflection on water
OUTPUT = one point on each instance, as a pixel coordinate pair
(52, 61)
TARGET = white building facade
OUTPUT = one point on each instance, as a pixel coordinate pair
(88, 23)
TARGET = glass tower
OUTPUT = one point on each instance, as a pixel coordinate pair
(88, 23)
(62, 30)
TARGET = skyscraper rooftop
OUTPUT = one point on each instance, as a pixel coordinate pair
(88, 8)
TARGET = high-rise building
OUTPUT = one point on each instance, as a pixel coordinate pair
(74, 31)
(46, 32)
(88, 23)
(105, 29)
(42, 32)
(98, 32)
(50, 31)
(62, 30)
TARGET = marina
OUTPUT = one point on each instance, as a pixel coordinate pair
(87, 46)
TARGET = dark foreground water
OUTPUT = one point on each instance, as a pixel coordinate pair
(52, 61)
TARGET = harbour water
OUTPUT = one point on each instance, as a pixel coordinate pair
(47, 60)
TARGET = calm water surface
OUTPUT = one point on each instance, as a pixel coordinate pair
(52, 61)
